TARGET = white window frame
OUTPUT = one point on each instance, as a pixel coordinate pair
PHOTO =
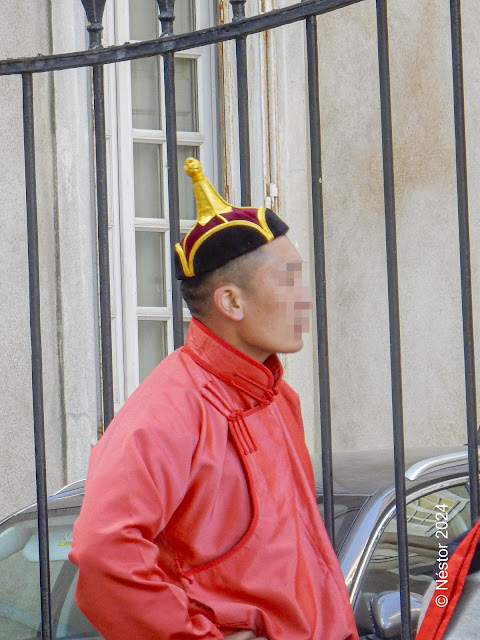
(122, 221)
(111, 124)
(263, 114)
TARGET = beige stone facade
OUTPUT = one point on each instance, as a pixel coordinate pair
(426, 202)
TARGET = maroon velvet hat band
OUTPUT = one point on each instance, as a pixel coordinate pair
(221, 232)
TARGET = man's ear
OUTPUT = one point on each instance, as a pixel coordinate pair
(227, 300)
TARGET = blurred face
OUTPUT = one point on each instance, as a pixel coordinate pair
(276, 307)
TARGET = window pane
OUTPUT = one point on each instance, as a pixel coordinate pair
(186, 198)
(145, 94)
(149, 247)
(143, 19)
(152, 345)
(147, 164)
(446, 510)
(346, 509)
(19, 585)
(184, 16)
(186, 94)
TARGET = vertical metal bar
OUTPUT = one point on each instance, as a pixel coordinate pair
(394, 314)
(94, 10)
(36, 341)
(103, 250)
(320, 275)
(166, 18)
(173, 204)
(238, 7)
(465, 264)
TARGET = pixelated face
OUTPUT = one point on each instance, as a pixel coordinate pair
(277, 307)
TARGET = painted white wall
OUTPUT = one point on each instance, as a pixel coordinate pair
(76, 242)
(423, 140)
(16, 432)
(67, 257)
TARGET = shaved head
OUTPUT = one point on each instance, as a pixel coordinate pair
(198, 292)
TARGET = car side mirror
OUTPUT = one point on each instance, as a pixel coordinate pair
(385, 609)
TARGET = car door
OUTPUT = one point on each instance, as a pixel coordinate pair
(436, 515)
(20, 612)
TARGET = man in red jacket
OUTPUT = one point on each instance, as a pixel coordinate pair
(199, 518)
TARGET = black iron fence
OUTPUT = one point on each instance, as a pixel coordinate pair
(239, 29)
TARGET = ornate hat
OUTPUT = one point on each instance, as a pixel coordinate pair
(221, 232)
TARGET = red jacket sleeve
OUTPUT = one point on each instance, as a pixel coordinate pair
(138, 475)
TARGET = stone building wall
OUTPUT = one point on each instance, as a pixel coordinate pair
(424, 156)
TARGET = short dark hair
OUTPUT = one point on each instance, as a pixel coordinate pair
(198, 291)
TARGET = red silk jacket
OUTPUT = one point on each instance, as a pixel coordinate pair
(200, 516)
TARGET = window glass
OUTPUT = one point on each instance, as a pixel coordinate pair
(432, 520)
(146, 109)
(186, 94)
(152, 345)
(20, 613)
(345, 510)
(150, 253)
(184, 16)
(144, 21)
(143, 17)
(186, 197)
(148, 187)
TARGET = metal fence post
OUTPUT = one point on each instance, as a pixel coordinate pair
(94, 10)
(320, 273)
(36, 341)
(394, 315)
(166, 17)
(238, 8)
(465, 264)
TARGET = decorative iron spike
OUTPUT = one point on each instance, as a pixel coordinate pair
(94, 10)
(166, 16)
(238, 8)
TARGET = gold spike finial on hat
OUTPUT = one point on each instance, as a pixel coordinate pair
(209, 202)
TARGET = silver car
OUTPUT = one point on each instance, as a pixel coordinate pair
(438, 511)
(366, 542)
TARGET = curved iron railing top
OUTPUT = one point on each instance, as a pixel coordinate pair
(133, 50)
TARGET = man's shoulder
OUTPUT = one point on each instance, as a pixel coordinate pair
(173, 390)
(288, 392)
(165, 413)
(176, 373)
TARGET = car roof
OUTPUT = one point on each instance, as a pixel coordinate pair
(69, 497)
(367, 472)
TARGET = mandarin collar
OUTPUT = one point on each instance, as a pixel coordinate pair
(260, 381)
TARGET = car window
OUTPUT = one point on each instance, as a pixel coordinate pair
(346, 509)
(20, 614)
(432, 520)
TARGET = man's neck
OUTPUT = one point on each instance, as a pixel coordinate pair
(228, 333)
